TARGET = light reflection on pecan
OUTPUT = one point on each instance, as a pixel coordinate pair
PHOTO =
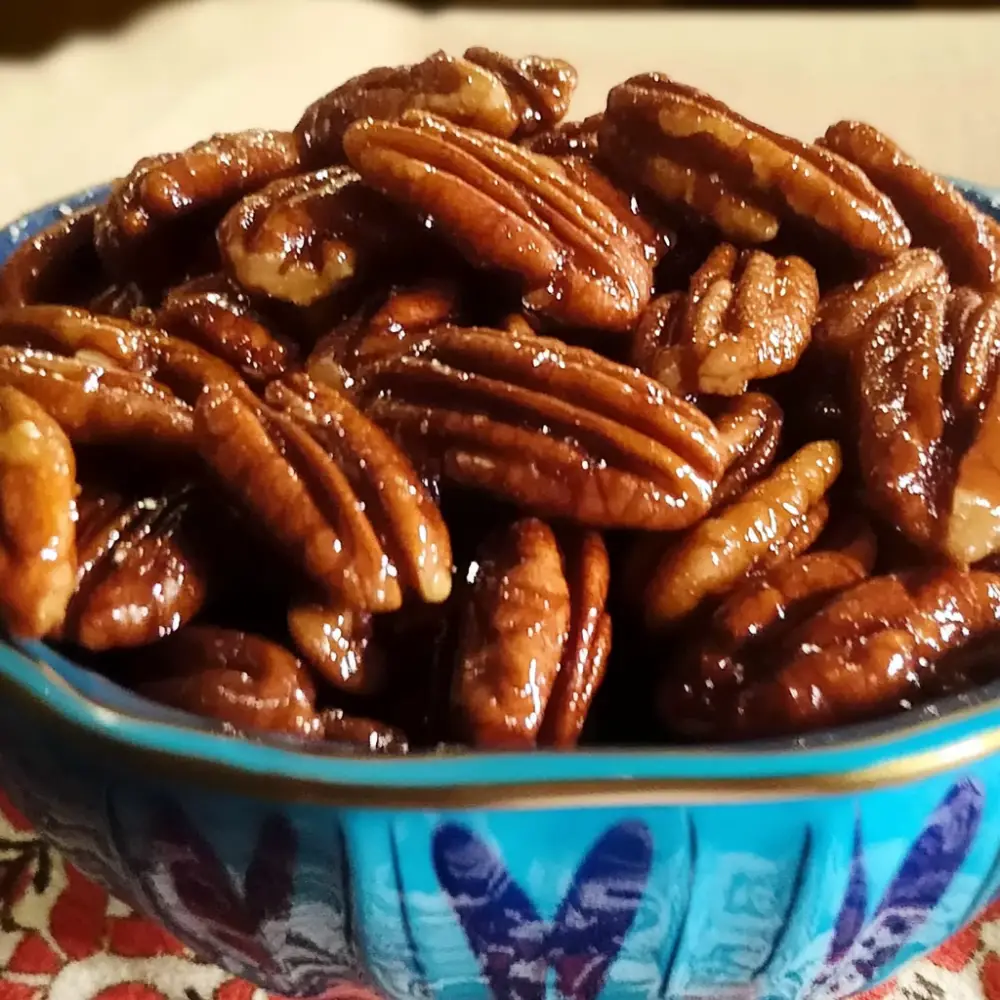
(374, 736)
(337, 642)
(568, 139)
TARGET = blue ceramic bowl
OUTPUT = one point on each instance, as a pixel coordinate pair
(807, 868)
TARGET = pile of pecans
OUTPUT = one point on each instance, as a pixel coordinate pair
(368, 431)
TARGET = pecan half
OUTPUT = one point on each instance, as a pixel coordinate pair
(237, 678)
(302, 238)
(531, 642)
(692, 149)
(208, 176)
(540, 88)
(747, 316)
(139, 576)
(374, 736)
(55, 265)
(37, 514)
(505, 207)
(216, 314)
(338, 643)
(559, 430)
(719, 552)
(936, 212)
(750, 432)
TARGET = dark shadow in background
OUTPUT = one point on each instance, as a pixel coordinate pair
(29, 27)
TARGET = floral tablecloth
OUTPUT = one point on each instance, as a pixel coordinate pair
(63, 938)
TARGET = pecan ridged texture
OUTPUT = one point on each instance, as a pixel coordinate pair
(534, 638)
(747, 316)
(750, 432)
(559, 430)
(938, 215)
(332, 490)
(505, 207)
(691, 149)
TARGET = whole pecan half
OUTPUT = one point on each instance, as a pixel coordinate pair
(140, 576)
(208, 176)
(716, 554)
(338, 643)
(302, 238)
(532, 642)
(508, 208)
(936, 212)
(750, 431)
(559, 430)
(747, 316)
(216, 314)
(692, 149)
(37, 514)
(235, 677)
(55, 265)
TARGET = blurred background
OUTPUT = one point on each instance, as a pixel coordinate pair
(88, 86)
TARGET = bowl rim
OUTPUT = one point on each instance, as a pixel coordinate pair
(933, 739)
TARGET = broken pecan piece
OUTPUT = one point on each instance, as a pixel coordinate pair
(505, 207)
(718, 553)
(37, 514)
(936, 212)
(746, 316)
(532, 643)
(692, 149)
(338, 643)
(559, 430)
(237, 678)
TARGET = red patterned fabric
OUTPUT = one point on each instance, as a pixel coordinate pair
(63, 938)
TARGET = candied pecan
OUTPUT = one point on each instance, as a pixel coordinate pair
(747, 316)
(338, 643)
(457, 89)
(55, 265)
(973, 333)
(139, 576)
(698, 697)
(377, 737)
(692, 149)
(507, 208)
(532, 643)
(559, 430)
(717, 553)
(216, 314)
(208, 176)
(749, 431)
(568, 139)
(937, 214)
(846, 312)
(238, 678)
(540, 89)
(885, 643)
(37, 513)
(301, 238)
(95, 404)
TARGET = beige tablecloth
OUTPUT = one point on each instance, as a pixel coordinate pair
(87, 109)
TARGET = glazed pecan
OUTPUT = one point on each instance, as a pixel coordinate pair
(845, 313)
(216, 314)
(746, 316)
(691, 149)
(338, 643)
(335, 493)
(533, 645)
(749, 430)
(53, 266)
(568, 139)
(505, 207)
(559, 430)
(713, 556)
(208, 176)
(240, 679)
(98, 405)
(302, 238)
(377, 737)
(140, 577)
(540, 89)
(37, 513)
(699, 696)
(936, 212)
(972, 322)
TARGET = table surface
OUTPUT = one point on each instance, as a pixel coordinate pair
(86, 108)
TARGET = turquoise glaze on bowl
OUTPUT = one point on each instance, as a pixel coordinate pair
(797, 869)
